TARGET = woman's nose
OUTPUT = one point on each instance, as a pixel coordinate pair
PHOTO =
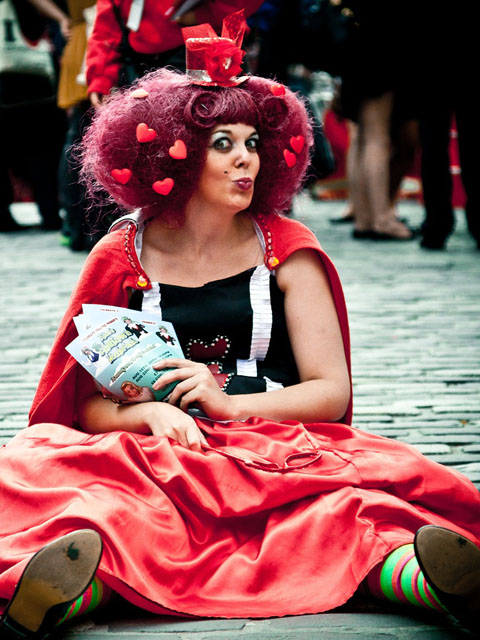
(243, 157)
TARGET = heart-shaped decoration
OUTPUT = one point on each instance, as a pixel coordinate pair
(121, 175)
(139, 94)
(178, 151)
(297, 143)
(201, 351)
(163, 187)
(290, 158)
(144, 134)
(277, 89)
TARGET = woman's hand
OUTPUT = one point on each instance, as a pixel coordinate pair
(165, 420)
(196, 386)
(96, 98)
(65, 25)
(97, 414)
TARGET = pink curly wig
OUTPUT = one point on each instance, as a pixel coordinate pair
(178, 110)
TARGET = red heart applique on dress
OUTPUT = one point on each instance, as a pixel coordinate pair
(178, 151)
(144, 134)
(297, 143)
(277, 89)
(290, 158)
(200, 351)
(163, 187)
(121, 175)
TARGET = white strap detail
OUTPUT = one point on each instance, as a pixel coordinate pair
(260, 235)
(137, 216)
(272, 385)
(261, 321)
(135, 15)
(151, 300)
(247, 368)
(262, 312)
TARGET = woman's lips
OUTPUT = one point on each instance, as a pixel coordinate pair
(244, 183)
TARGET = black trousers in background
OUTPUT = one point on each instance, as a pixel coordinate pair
(436, 178)
(32, 131)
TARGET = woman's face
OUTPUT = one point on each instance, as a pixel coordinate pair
(231, 166)
(130, 390)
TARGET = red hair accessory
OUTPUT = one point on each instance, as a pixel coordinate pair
(297, 143)
(121, 175)
(212, 60)
(163, 187)
(277, 89)
(178, 151)
(139, 93)
(290, 158)
(144, 134)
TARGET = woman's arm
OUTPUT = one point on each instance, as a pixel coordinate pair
(324, 391)
(102, 57)
(313, 328)
(97, 414)
(49, 9)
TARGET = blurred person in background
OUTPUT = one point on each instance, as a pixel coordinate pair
(379, 94)
(32, 128)
(73, 98)
(75, 20)
(132, 37)
(447, 85)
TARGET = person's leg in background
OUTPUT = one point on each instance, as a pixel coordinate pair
(468, 145)
(71, 192)
(439, 219)
(374, 139)
(405, 141)
(43, 160)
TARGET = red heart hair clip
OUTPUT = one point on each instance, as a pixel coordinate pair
(121, 175)
(290, 158)
(297, 143)
(277, 89)
(144, 134)
(178, 151)
(163, 187)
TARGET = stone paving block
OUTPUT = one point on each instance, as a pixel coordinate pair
(430, 449)
(165, 625)
(455, 458)
(446, 438)
(307, 635)
(345, 621)
(136, 635)
(472, 448)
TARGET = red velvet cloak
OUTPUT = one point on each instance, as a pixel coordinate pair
(275, 519)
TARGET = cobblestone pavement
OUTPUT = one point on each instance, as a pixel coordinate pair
(415, 325)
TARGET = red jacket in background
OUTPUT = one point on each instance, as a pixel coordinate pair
(156, 34)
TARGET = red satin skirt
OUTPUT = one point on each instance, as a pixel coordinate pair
(272, 519)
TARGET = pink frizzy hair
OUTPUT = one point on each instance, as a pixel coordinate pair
(178, 110)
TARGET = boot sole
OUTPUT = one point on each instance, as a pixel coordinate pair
(449, 561)
(58, 574)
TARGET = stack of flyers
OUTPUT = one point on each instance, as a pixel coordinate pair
(119, 347)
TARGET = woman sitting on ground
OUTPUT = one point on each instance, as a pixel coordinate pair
(266, 502)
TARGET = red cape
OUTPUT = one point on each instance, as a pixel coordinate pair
(105, 279)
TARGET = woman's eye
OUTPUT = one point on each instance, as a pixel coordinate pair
(252, 144)
(222, 144)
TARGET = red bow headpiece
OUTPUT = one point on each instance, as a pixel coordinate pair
(216, 60)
